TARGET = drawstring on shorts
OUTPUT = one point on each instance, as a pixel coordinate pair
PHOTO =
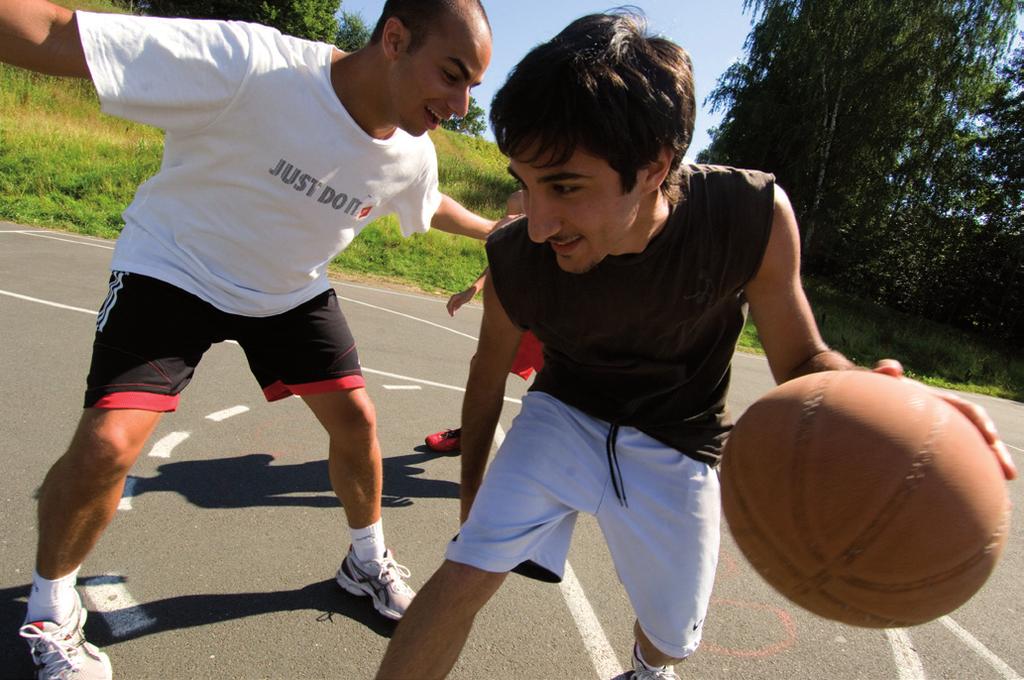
(613, 465)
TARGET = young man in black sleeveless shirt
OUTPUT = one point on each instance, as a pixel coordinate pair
(635, 271)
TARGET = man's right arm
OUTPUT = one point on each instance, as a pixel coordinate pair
(485, 393)
(43, 37)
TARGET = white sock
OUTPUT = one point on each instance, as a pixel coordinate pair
(51, 600)
(368, 543)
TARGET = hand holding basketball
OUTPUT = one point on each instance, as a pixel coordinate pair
(866, 499)
(974, 413)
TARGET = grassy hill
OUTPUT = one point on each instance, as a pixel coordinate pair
(65, 165)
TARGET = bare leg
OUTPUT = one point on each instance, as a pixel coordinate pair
(434, 630)
(354, 459)
(83, 488)
(651, 655)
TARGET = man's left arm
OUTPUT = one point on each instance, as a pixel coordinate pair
(790, 336)
(454, 218)
(779, 307)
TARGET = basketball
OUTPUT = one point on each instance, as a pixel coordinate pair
(864, 499)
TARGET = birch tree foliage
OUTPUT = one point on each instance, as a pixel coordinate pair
(867, 111)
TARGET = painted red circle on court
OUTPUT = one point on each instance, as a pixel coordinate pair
(771, 649)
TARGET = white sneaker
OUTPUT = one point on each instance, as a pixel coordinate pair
(642, 671)
(60, 652)
(382, 580)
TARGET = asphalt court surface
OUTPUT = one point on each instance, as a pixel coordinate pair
(220, 561)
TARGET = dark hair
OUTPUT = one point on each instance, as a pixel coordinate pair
(420, 16)
(605, 85)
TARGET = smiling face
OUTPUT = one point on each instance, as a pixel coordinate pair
(432, 81)
(580, 210)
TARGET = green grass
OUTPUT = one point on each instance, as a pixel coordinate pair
(473, 172)
(433, 262)
(63, 164)
(932, 353)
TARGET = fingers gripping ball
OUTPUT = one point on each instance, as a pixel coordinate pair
(864, 499)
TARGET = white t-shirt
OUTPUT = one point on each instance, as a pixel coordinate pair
(265, 175)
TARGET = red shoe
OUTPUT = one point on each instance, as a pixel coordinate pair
(446, 441)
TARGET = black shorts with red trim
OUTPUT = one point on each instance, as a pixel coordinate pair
(150, 336)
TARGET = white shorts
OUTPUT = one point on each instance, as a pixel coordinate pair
(663, 541)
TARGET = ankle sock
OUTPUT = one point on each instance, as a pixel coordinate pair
(52, 600)
(368, 543)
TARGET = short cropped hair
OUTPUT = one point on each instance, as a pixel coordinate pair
(421, 16)
(606, 86)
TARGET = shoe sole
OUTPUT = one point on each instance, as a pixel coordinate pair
(358, 589)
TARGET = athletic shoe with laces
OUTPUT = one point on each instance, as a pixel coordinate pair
(642, 671)
(445, 441)
(60, 652)
(382, 580)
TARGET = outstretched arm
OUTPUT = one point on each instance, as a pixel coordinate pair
(464, 296)
(485, 392)
(513, 208)
(40, 36)
(452, 217)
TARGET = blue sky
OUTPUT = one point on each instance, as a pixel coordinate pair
(713, 33)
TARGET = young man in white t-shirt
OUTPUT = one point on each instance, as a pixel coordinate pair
(278, 151)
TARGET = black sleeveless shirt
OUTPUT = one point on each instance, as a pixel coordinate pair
(646, 339)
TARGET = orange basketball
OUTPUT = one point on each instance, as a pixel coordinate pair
(864, 499)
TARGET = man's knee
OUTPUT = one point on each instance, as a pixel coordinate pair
(463, 588)
(109, 442)
(345, 413)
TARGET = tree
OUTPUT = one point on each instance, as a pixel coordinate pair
(867, 113)
(311, 19)
(1001, 153)
(353, 33)
(473, 123)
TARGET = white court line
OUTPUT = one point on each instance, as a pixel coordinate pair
(164, 447)
(46, 302)
(127, 494)
(1015, 448)
(122, 614)
(409, 316)
(427, 382)
(402, 387)
(65, 240)
(77, 237)
(594, 639)
(218, 416)
(414, 296)
(601, 653)
(981, 650)
(908, 663)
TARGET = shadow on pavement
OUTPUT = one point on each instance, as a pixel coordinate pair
(252, 481)
(236, 482)
(321, 602)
